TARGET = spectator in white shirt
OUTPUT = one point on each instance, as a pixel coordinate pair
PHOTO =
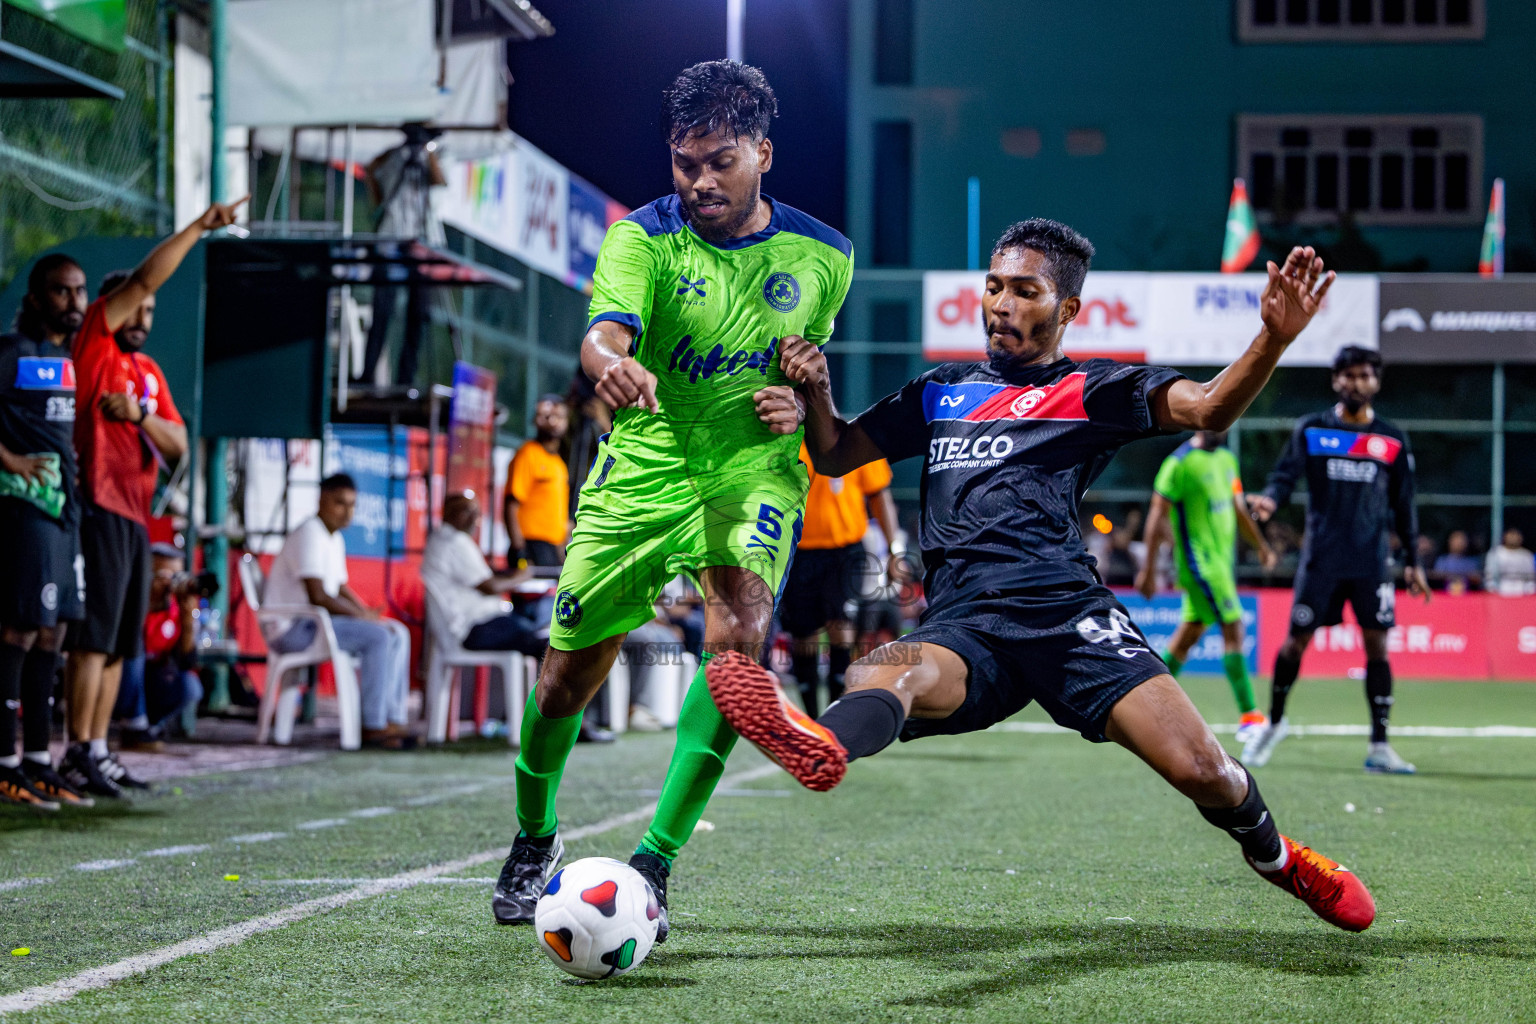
(467, 592)
(1511, 568)
(312, 569)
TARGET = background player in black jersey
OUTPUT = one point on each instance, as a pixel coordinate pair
(1016, 610)
(1359, 472)
(40, 568)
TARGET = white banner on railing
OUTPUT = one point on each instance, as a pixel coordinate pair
(1167, 318)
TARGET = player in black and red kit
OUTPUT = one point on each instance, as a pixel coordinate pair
(40, 566)
(1359, 473)
(1016, 609)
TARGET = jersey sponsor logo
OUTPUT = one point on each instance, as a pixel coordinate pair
(699, 367)
(45, 373)
(1349, 443)
(968, 453)
(686, 287)
(782, 292)
(981, 402)
(1351, 471)
(60, 409)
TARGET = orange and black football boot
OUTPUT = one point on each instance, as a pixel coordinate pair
(1333, 892)
(754, 704)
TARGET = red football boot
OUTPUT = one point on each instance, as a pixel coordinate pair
(1333, 892)
(752, 702)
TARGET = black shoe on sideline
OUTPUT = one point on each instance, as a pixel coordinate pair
(83, 773)
(655, 871)
(113, 769)
(16, 791)
(528, 869)
(43, 779)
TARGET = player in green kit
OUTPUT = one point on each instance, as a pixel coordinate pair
(692, 297)
(1199, 494)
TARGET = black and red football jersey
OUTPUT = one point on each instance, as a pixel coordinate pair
(1359, 486)
(1008, 457)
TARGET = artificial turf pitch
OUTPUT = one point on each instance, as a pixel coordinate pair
(1005, 876)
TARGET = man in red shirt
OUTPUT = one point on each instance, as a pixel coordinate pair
(126, 430)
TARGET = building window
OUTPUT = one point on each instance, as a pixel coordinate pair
(1374, 21)
(1387, 169)
(893, 194)
(893, 42)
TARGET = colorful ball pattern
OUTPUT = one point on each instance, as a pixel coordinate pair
(596, 919)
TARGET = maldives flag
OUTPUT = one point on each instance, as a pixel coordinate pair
(1242, 243)
(1490, 262)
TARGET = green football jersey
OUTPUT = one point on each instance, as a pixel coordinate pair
(1201, 486)
(708, 319)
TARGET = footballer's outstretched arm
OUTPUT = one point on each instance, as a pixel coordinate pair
(836, 446)
(1291, 299)
(618, 377)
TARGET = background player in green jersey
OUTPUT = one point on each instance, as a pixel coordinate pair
(692, 298)
(1199, 495)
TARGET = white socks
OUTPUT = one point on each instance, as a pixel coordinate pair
(99, 749)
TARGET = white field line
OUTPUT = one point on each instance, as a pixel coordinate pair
(100, 977)
(102, 865)
(22, 883)
(1437, 731)
(319, 823)
(258, 837)
(177, 851)
(362, 881)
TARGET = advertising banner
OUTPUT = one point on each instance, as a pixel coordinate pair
(1209, 319)
(586, 224)
(1429, 319)
(1171, 319)
(365, 453)
(517, 200)
(1512, 637)
(1159, 617)
(1449, 638)
(472, 433)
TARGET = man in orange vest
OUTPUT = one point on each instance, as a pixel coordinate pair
(537, 505)
(831, 571)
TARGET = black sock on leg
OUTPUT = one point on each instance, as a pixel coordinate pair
(38, 674)
(11, 659)
(806, 668)
(1286, 671)
(1250, 823)
(1378, 691)
(865, 721)
(841, 657)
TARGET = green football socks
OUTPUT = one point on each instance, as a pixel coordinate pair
(1236, 667)
(546, 743)
(704, 741)
(1175, 665)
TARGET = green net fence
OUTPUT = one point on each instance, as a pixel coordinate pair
(78, 167)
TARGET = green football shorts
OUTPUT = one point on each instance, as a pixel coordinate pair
(616, 566)
(1210, 599)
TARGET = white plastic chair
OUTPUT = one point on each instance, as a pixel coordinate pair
(519, 674)
(667, 685)
(279, 703)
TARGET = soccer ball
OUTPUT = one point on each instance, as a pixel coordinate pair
(596, 919)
